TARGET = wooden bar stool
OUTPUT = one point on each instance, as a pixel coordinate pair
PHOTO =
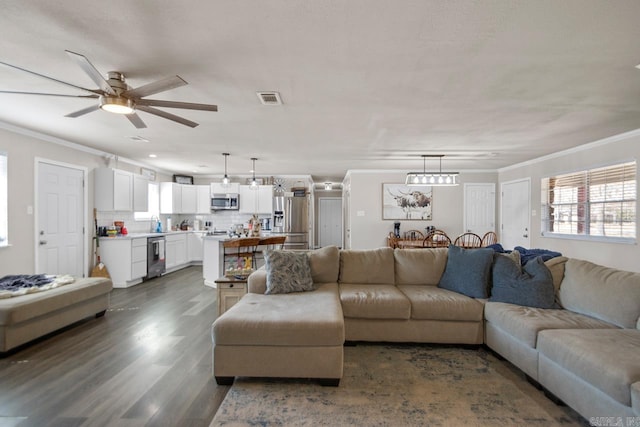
(244, 248)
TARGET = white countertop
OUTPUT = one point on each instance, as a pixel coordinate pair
(140, 235)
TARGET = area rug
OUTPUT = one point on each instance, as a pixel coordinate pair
(399, 385)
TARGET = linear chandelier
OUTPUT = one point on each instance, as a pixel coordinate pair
(424, 178)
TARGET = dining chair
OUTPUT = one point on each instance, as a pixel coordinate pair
(240, 253)
(489, 238)
(411, 239)
(392, 240)
(468, 240)
(437, 239)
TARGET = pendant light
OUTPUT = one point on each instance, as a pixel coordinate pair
(438, 179)
(254, 183)
(225, 181)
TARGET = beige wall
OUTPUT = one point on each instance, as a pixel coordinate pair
(612, 150)
(22, 151)
(369, 230)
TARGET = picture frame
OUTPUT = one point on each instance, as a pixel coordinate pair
(148, 173)
(402, 202)
(183, 179)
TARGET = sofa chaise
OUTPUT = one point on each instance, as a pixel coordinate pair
(585, 350)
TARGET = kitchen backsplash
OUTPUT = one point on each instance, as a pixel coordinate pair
(220, 220)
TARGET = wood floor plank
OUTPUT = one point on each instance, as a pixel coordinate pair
(147, 362)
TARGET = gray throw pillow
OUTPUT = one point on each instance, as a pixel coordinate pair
(467, 271)
(287, 271)
(531, 287)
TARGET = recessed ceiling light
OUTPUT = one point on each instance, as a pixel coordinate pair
(153, 156)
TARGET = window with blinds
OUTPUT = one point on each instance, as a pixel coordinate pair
(597, 202)
(4, 225)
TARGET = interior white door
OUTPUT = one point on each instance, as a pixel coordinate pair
(515, 208)
(479, 208)
(60, 233)
(330, 221)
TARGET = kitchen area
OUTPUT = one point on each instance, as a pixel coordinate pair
(147, 228)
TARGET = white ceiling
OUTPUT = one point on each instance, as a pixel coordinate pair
(366, 84)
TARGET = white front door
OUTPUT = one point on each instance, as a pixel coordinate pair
(479, 208)
(515, 207)
(60, 222)
(330, 221)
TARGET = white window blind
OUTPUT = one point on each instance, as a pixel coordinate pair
(596, 202)
(4, 224)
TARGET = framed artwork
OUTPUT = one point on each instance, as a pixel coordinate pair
(400, 201)
(149, 173)
(183, 179)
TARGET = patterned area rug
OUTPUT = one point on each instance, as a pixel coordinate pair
(399, 385)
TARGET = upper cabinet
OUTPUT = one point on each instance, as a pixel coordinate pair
(258, 201)
(118, 190)
(218, 188)
(184, 198)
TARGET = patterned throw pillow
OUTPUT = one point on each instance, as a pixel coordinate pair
(287, 271)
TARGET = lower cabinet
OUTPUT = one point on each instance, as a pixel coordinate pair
(175, 250)
(125, 259)
(229, 293)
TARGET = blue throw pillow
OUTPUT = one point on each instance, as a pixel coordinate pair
(467, 271)
(532, 287)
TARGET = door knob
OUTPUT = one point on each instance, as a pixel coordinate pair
(43, 242)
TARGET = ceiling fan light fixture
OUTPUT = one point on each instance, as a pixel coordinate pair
(117, 104)
(436, 179)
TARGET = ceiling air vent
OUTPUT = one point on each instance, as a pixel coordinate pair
(269, 98)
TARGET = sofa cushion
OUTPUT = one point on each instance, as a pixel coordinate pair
(297, 319)
(325, 264)
(467, 271)
(419, 267)
(635, 397)
(533, 286)
(374, 302)
(524, 323)
(606, 293)
(287, 271)
(433, 303)
(606, 359)
(371, 266)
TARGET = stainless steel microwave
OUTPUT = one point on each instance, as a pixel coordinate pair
(228, 201)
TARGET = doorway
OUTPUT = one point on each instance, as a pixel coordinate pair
(514, 214)
(330, 221)
(60, 219)
(479, 208)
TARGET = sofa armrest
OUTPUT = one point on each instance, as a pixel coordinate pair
(257, 281)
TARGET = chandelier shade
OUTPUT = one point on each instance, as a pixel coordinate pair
(436, 179)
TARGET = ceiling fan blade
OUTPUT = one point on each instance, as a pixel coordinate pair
(50, 78)
(175, 104)
(155, 87)
(83, 111)
(91, 71)
(136, 120)
(48, 94)
(166, 115)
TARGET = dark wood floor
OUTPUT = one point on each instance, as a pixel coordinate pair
(147, 362)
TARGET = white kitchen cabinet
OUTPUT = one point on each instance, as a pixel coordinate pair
(175, 250)
(125, 259)
(203, 199)
(218, 188)
(189, 199)
(113, 190)
(140, 193)
(170, 198)
(195, 246)
(258, 201)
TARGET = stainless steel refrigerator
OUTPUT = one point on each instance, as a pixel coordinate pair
(291, 218)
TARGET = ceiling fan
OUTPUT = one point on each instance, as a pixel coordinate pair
(116, 96)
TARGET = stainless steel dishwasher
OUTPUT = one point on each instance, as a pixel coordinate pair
(155, 256)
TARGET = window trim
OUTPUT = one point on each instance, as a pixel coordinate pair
(545, 220)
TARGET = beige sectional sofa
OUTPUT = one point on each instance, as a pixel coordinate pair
(27, 317)
(587, 353)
